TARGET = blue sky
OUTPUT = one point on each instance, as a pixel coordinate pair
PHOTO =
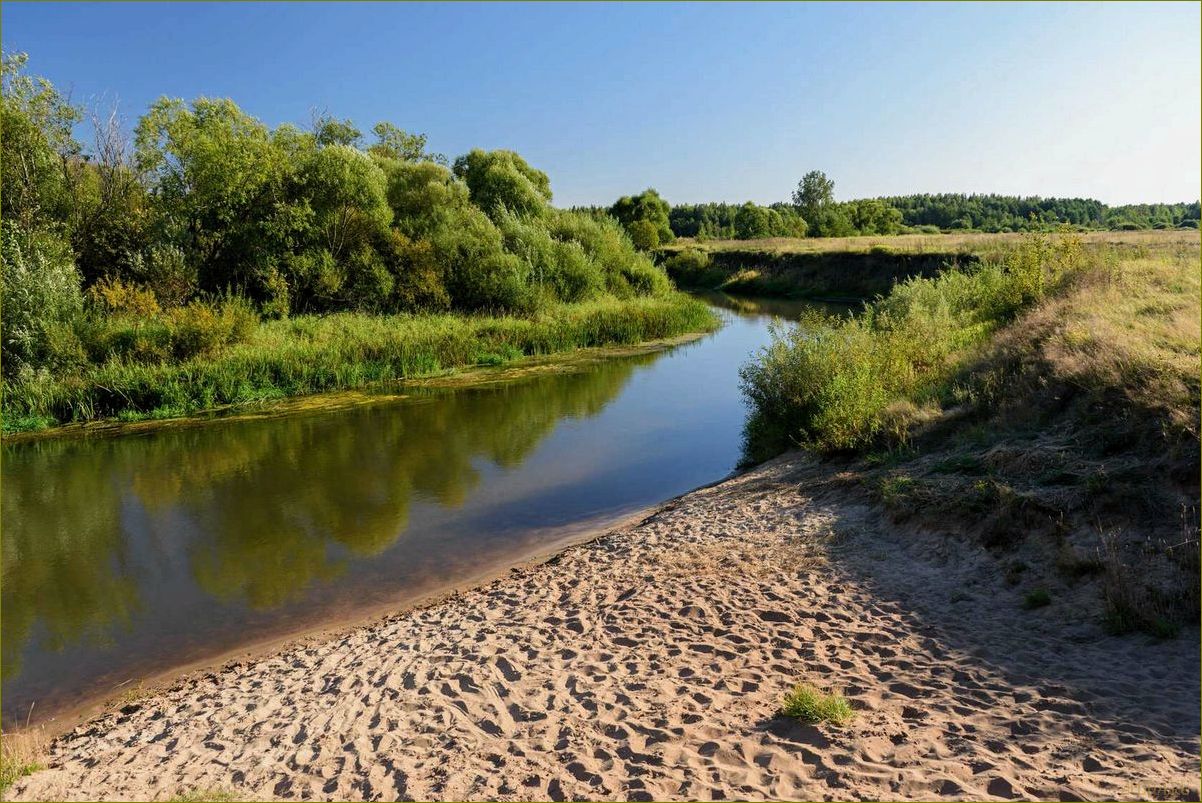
(704, 102)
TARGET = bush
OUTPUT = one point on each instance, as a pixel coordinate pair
(39, 293)
(203, 328)
(644, 235)
(625, 271)
(842, 384)
(689, 267)
(112, 296)
(166, 272)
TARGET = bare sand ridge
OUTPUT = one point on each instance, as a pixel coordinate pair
(649, 664)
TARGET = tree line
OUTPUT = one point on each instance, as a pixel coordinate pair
(206, 202)
(813, 211)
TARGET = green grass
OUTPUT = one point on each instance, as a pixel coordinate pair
(810, 705)
(314, 354)
(12, 769)
(1039, 598)
(1051, 392)
(205, 795)
(847, 383)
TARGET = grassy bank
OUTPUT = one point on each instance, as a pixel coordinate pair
(312, 354)
(858, 268)
(1045, 402)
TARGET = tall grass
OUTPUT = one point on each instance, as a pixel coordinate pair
(313, 354)
(843, 383)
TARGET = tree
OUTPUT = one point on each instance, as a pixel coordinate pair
(644, 235)
(37, 147)
(347, 192)
(328, 130)
(393, 143)
(501, 179)
(646, 206)
(218, 179)
(814, 192)
(752, 222)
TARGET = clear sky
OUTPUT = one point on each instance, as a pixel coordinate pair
(726, 102)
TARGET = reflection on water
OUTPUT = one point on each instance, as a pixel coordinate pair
(127, 556)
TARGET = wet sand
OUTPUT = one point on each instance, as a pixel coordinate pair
(650, 663)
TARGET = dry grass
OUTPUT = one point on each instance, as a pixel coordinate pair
(973, 242)
(1079, 417)
(20, 755)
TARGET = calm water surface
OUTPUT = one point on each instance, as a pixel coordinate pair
(125, 557)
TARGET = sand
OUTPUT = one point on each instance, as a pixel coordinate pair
(650, 664)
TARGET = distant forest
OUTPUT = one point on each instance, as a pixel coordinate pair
(813, 212)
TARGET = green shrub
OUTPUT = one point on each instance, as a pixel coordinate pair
(202, 328)
(810, 705)
(39, 292)
(842, 384)
(310, 354)
(644, 235)
(626, 272)
(689, 267)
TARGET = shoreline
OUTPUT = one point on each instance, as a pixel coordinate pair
(373, 393)
(648, 662)
(96, 705)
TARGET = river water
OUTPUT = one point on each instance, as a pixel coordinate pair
(126, 557)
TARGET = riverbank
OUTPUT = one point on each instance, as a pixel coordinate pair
(383, 392)
(650, 664)
(855, 269)
(307, 355)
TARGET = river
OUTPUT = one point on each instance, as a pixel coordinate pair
(127, 557)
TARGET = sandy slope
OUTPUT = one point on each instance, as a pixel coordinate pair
(648, 665)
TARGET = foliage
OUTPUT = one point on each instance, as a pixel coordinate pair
(720, 221)
(843, 384)
(1000, 213)
(393, 143)
(813, 202)
(210, 219)
(688, 266)
(644, 235)
(815, 192)
(502, 180)
(309, 354)
(36, 141)
(645, 217)
(39, 296)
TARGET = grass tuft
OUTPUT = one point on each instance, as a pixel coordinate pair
(206, 796)
(1039, 598)
(18, 758)
(813, 706)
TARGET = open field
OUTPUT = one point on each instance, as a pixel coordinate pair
(971, 242)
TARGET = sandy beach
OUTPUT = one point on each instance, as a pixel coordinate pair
(649, 664)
